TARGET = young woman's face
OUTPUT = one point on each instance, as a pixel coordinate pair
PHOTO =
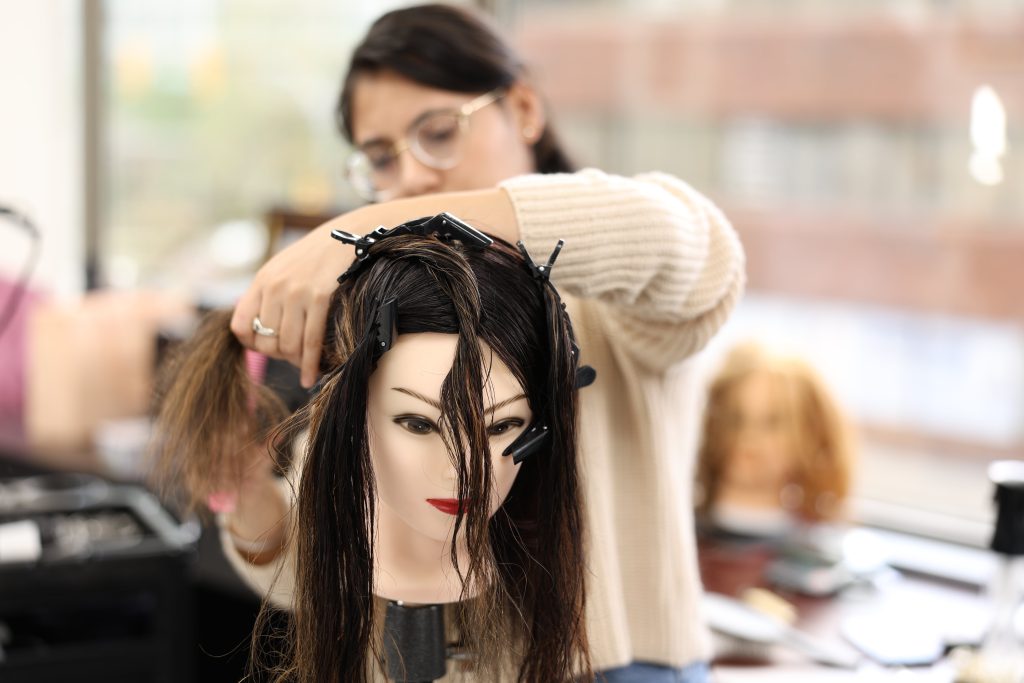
(416, 478)
(494, 146)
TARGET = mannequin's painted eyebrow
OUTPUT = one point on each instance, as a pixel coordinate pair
(437, 406)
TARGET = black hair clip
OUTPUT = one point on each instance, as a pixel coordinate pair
(362, 244)
(585, 375)
(446, 226)
(526, 443)
(382, 327)
(540, 272)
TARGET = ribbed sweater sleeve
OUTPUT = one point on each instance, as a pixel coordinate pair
(659, 256)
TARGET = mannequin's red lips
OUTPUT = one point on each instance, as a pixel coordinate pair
(449, 506)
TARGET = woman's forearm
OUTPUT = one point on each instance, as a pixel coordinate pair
(258, 525)
(488, 210)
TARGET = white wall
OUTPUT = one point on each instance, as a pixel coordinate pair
(40, 137)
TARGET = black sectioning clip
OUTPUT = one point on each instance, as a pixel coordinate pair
(534, 437)
(362, 244)
(585, 375)
(446, 226)
(383, 327)
(526, 443)
(540, 272)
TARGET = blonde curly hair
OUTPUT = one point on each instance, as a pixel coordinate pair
(820, 440)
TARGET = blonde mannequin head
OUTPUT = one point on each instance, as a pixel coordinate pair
(773, 440)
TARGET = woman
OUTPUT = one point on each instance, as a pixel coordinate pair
(443, 119)
(422, 481)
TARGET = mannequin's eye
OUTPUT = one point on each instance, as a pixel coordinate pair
(416, 425)
(504, 427)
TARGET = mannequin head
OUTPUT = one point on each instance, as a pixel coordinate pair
(411, 464)
(404, 491)
(415, 476)
(774, 445)
(417, 61)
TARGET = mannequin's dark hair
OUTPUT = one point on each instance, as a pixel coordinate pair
(449, 48)
(526, 566)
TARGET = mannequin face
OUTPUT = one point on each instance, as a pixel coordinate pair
(415, 476)
(759, 460)
(495, 148)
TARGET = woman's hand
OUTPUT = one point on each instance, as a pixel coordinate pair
(254, 507)
(260, 511)
(291, 292)
(290, 295)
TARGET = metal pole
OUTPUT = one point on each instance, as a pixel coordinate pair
(92, 139)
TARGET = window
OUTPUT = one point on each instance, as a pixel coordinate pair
(214, 112)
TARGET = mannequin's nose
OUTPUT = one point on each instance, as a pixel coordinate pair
(439, 468)
(451, 474)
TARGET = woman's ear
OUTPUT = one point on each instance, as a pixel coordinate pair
(527, 110)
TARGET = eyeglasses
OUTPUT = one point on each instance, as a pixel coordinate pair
(436, 139)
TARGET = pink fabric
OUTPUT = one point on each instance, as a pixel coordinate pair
(13, 361)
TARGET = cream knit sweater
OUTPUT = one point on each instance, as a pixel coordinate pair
(649, 272)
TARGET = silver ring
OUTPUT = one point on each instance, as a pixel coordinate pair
(262, 330)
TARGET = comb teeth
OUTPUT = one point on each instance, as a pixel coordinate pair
(255, 366)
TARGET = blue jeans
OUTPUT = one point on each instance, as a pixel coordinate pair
(638, 672)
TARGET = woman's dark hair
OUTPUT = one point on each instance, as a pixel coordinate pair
(526, 562)
(444, 47)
